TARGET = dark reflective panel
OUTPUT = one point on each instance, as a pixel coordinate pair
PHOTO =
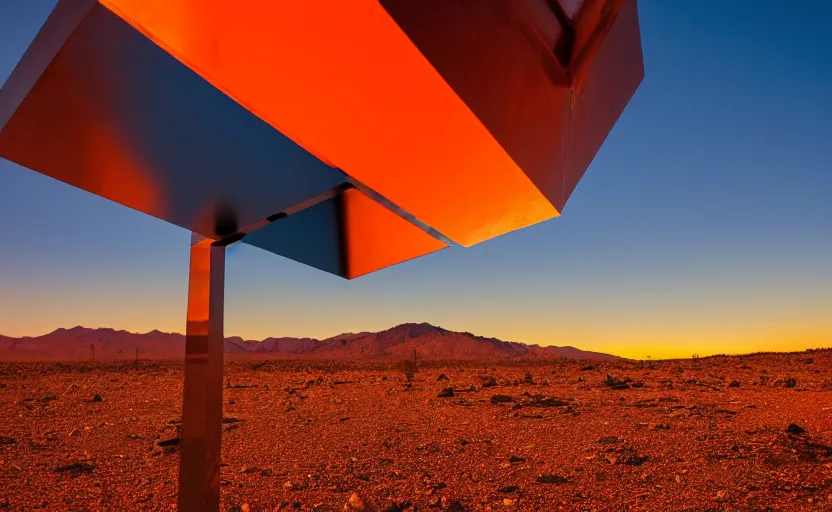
(348, 235)
(547, 79)
(311, 236)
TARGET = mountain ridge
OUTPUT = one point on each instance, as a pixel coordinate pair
(426, 341)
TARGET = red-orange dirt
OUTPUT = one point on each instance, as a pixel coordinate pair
(702, 434)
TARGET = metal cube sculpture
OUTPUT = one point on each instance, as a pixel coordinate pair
(346, 135)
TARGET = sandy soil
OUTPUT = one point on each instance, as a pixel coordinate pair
(706, 434)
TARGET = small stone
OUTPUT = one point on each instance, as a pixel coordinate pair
(441, 377)
(446, 393)
(508, 502)
(97, 398)
(288, 485)
(501, 399)
(551, 479)
(76, 468)
(245, 507)
(516, 460)
(355, 503)
(489, 382)
(397, 507)
(795, 429)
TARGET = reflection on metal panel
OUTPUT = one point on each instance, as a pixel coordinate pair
(609, 75)
(117, 116)
(343, 80)
(525, 69)
(348, 235)
(255, 120)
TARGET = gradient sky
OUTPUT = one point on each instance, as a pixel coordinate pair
(704, 225)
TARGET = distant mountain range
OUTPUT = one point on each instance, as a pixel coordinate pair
(428, 342)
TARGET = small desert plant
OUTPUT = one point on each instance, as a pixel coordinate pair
(407, 367)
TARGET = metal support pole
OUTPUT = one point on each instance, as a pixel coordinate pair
(199, 467)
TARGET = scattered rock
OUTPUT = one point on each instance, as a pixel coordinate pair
(659, 426)
(541, 401)
(446, 393)
(509, 502)
(452, 506)
(610, 440)
(397, 507)
(355, 503)
(170, 442)
(615, 384)
(626, 456)
(441, 377)
(528, 379)
(489, 382)
(288, 485)
(5, 440)
(516, 460)
(790, 383)
(795, 429)
(501, 399)
(76, 468)
(97, 398)
(508, 489)
(734, 384)
(551, 479)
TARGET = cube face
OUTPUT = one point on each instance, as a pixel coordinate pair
(455, 119)
(608, 76)
(547, 79)
(349, 235)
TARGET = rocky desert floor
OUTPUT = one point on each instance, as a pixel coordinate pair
(723, 433)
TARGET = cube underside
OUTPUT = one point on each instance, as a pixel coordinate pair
(174, 109)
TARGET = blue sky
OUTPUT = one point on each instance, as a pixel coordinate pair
(704, 224)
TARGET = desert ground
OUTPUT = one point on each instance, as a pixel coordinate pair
(722, 433)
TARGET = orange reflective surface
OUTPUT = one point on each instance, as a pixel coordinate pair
(377, 238)
(343, 81)
(73, 141)
(199, 288)
(199, 468)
